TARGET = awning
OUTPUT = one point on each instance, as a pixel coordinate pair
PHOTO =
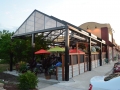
(76, 51)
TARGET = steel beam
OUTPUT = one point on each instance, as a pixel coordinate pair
(33, 46)
(67, 54)
(100, 54)
(11, 58)
(40, 31)
(89, 53)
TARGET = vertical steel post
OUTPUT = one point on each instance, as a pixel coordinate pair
(89, 52)
(33, 45)
(100, 54)
(11, 58)
(67, 54)
(107, 52)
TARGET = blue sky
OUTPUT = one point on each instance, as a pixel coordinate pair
(14, 12)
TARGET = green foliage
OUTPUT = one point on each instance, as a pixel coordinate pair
(97, 48)
(35, 71)
(93, 49)
(3, 67)
(5, 45)
(2, 81)
(20, 47)
(22, 67)
(27, 81)
(2, 61)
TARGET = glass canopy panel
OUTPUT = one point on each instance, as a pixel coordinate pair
(22, 28)
(49, 23)
(29, 28)
(59, 24)
(17, 32)
(30, 24)
(39, 21)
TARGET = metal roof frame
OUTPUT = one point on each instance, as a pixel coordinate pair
(53, 29)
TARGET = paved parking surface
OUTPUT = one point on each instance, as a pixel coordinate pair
(81, 82)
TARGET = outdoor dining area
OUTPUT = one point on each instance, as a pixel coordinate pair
(70, 51)
(52, 63)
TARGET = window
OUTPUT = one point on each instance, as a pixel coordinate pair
(75, 59)
(81, 58)
(92, 57)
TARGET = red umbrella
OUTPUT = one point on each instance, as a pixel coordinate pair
(42, 51)
(76, 51)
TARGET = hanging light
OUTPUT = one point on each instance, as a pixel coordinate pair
(78, 37)
(93, 42)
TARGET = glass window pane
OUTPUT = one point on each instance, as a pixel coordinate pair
(39, 21)
(81, 58)
(31, 18)
(21, 30)
(29, 28)
(16, 32)
(49, 23)
(75, 59)
(59, 24)
(30, 23)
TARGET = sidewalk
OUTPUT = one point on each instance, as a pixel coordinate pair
(81, 82)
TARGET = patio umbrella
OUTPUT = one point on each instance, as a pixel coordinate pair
(56, 49)
(76, 51)
(42, 51)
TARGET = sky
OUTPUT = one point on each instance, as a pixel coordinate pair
(14, 12)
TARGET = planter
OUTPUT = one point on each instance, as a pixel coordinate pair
(47, 76)
(10, 86)
(24, 71)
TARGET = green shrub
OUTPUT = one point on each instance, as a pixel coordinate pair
(22, 66)
(27, 81)
(2, 61)
(2, 81)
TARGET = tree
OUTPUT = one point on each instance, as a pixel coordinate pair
(20, 47)
(5, 47)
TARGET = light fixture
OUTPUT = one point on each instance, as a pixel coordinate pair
(103, 41)
(93, 42)
(83, 32)
(95, 26)
(93, 36)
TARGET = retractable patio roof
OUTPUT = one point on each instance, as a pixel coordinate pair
(51, 27)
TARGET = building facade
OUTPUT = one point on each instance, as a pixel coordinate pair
(103, 31)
